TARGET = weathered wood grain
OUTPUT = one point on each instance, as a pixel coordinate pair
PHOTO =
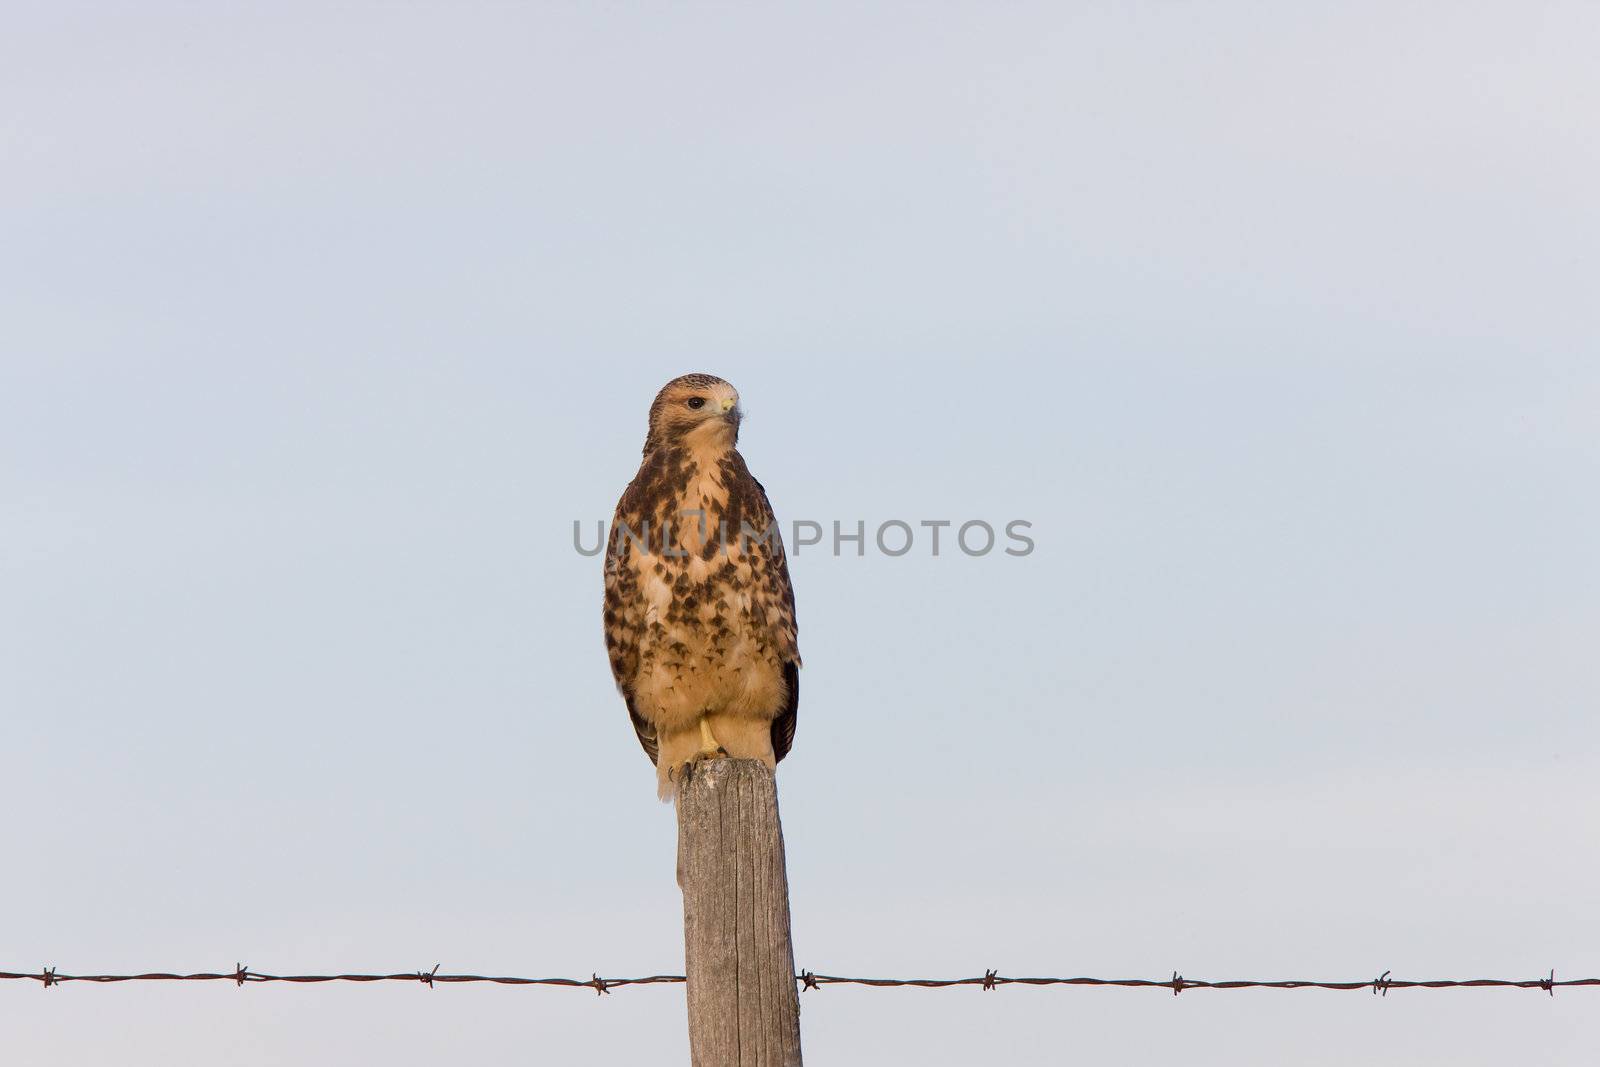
(743, 1007)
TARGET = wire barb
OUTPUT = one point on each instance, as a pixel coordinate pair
(240, 973)
(48, 976)
(989, 979)
(426, 977)
(1177, 983)
(1380, 984)
(600, 984)
(1549, 984)
(807, 981)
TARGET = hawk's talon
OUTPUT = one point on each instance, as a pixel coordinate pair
(680, 771)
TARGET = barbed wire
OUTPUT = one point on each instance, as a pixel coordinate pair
(991, 980)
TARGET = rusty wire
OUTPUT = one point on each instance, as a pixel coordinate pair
(990, 980)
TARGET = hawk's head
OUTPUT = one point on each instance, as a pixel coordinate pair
(694, 410)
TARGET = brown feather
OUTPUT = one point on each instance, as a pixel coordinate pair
(699, 609)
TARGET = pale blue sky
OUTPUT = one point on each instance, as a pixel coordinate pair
(321, 323)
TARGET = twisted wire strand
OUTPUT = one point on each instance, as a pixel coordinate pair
(989, 981)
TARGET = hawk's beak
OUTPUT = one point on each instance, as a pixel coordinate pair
(727, 404)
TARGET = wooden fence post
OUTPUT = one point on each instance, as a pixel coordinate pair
(744, 1010)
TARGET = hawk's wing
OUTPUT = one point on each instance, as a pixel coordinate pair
(774, 594)
(624, 617)
(783, 725)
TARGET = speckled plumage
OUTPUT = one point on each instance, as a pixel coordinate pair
(699, 612)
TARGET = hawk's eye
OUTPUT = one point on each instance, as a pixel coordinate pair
(697, 402)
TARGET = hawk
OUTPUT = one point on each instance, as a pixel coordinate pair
(699, 613)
